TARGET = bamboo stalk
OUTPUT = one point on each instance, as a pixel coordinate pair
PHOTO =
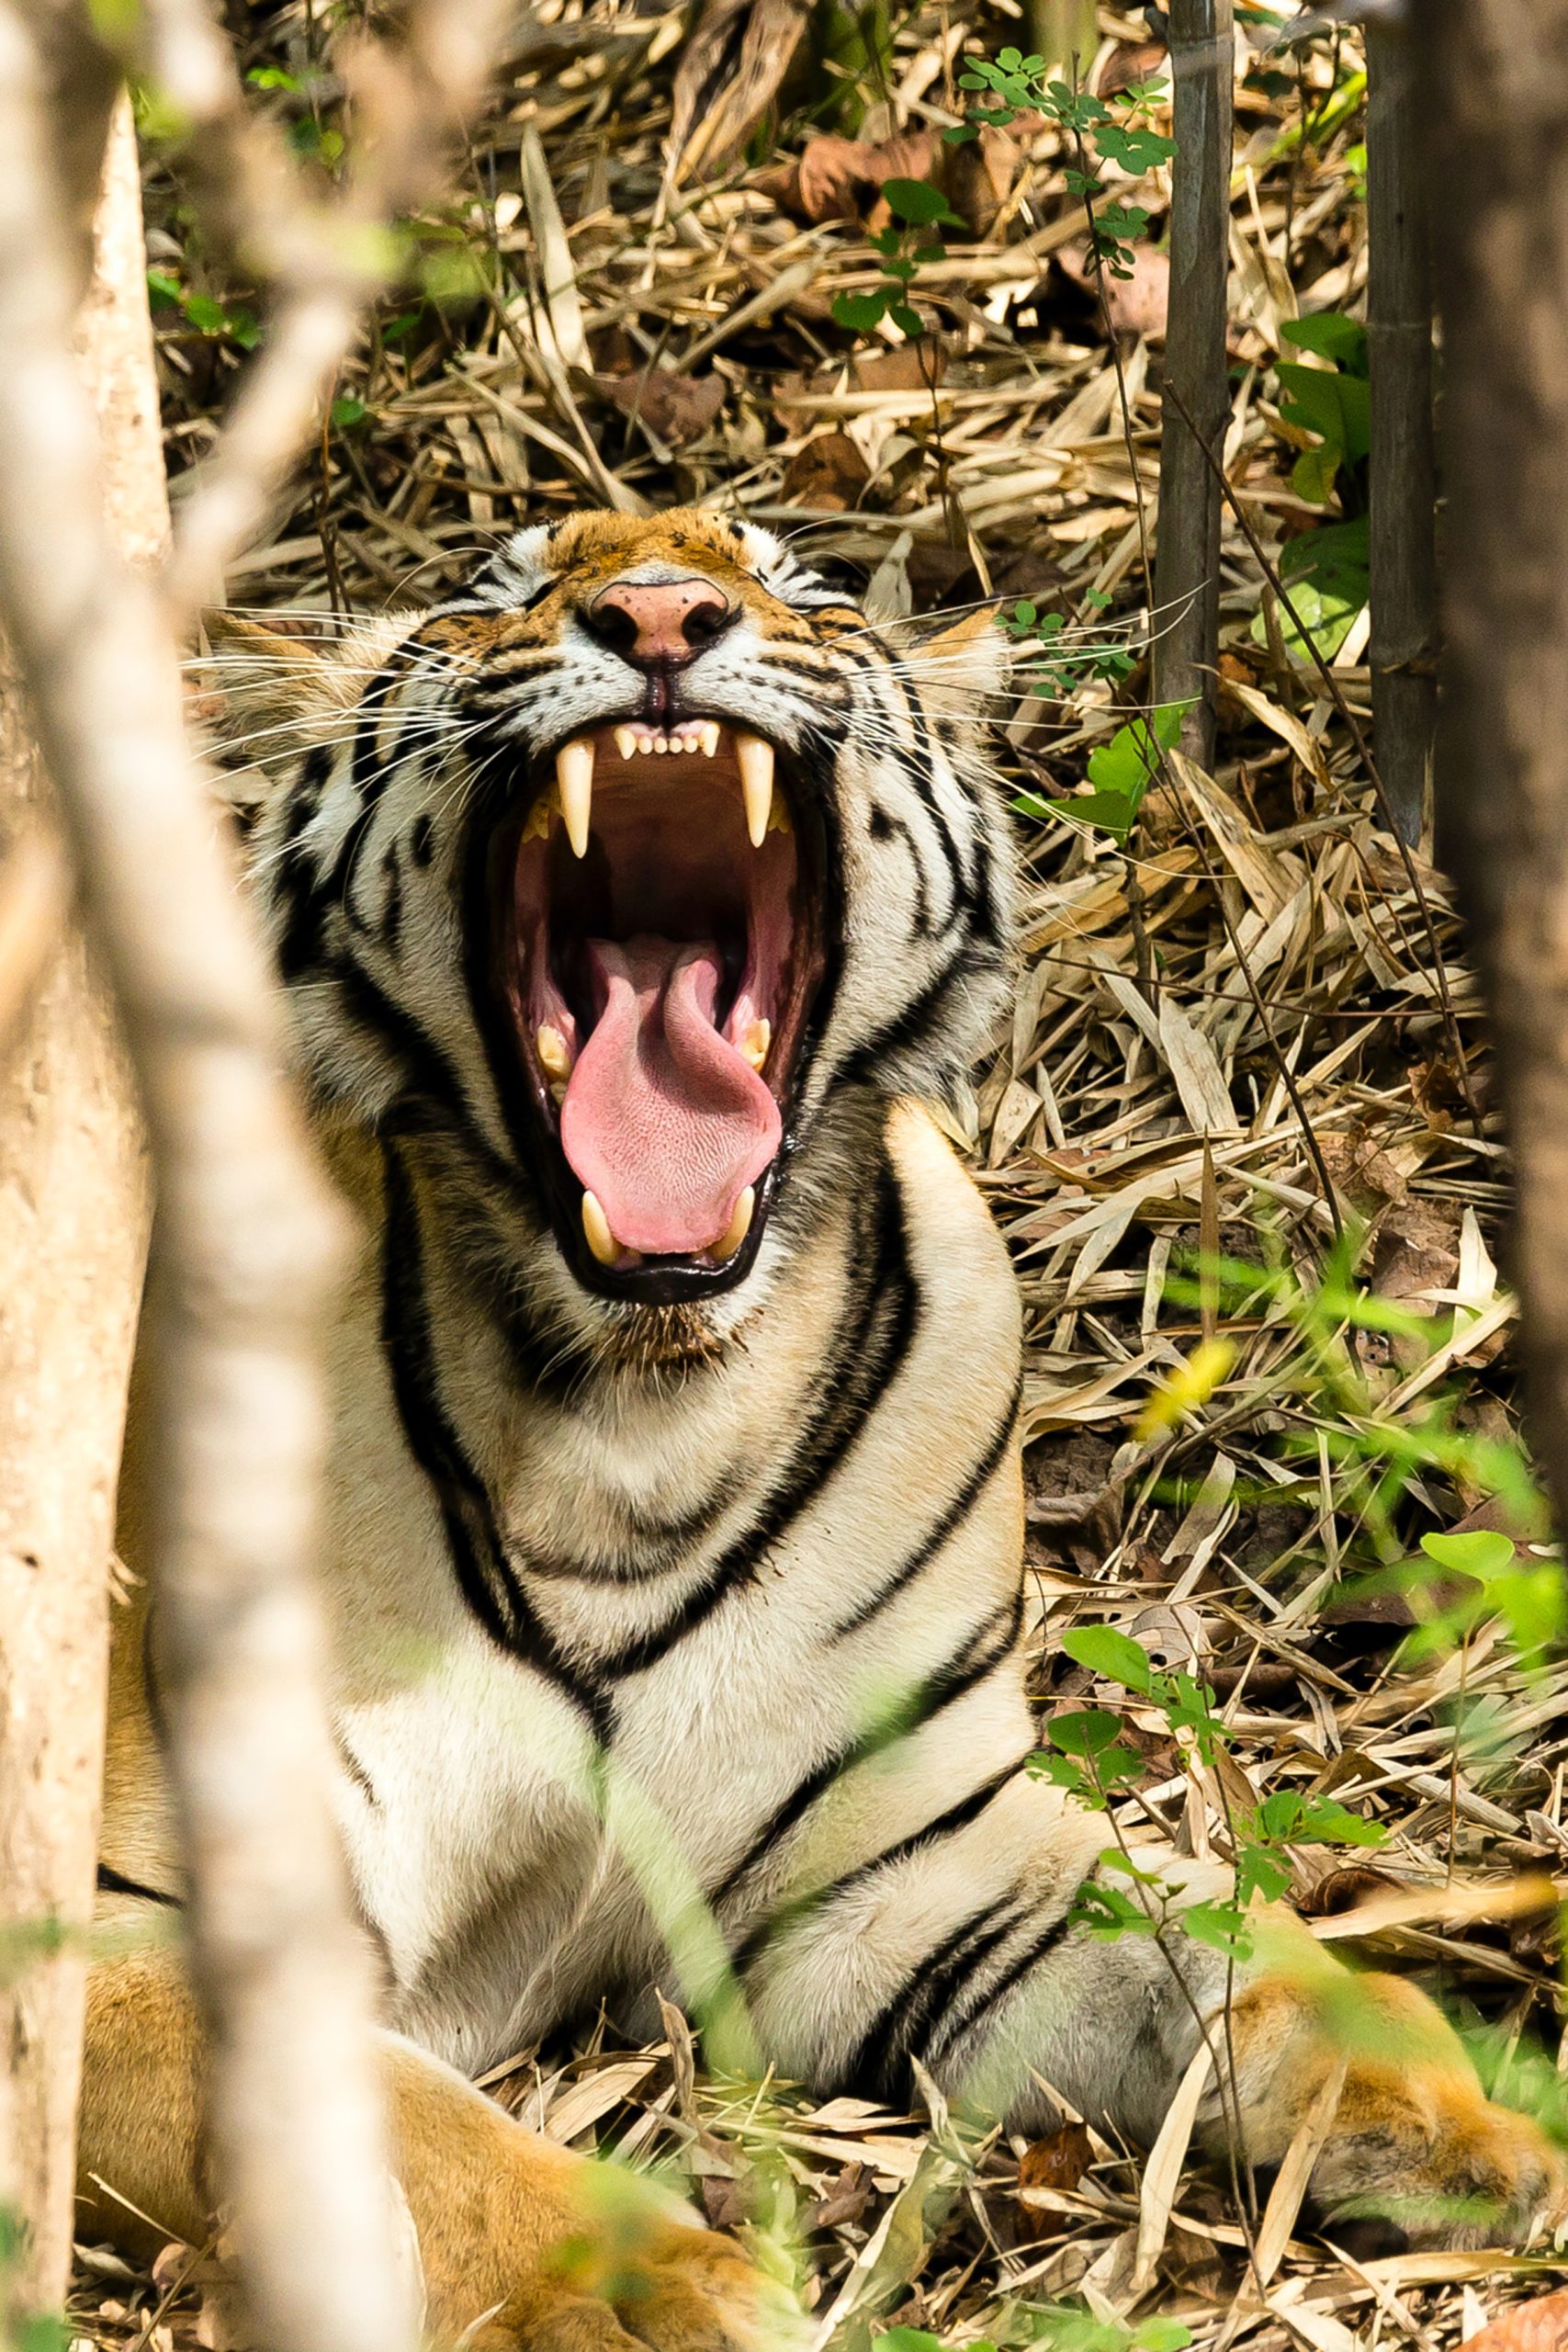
(1187, 574)
(1403, 493)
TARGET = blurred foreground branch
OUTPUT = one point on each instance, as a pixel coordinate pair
(245, 1241)
(73, 1239)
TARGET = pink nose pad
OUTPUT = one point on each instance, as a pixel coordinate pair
(658, 623)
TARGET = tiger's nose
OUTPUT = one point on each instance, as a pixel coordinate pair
(659, 624)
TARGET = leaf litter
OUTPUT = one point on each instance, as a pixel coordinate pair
(1222, 1009)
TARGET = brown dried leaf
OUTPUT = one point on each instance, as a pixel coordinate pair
(1137, 304)
(1057, 2162)
(829, 474)
(1538, 2326)
(677, 408)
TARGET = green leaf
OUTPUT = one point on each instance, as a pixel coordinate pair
(1137, 149)
(910, 322)
(918, 201)
(862, 312)
(1156, 2334)
(347, 412)
(162, 287)
(1111, 811)
(904, 2339)
(206, 315)
(1331, 337)
(1478, 1551)
(271, 77)
(1087, 1731)
(1115, 1656)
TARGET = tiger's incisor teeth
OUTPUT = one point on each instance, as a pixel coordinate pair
(740, 1224)
(625, 742)
(574, 775)
(756, 763)
(754, 1044)
(708, 734)
(555, 1058)
(596, 1229)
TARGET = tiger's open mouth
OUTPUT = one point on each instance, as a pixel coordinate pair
(657, 943)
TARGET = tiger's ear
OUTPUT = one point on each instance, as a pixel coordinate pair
(260, 689)
(964, 662)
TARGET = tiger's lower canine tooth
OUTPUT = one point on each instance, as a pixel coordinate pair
(596, 1230)
(555, 1057)
(756, 763)
(735, 1232)
(574, 775)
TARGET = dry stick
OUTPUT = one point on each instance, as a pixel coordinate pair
(1403, 652)
(1187, 574)
(1358, 735)
(245, 1238)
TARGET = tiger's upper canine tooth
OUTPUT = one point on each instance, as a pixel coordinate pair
(596, 1230)
(625, 742)
(574, 775)
(740, 1224)
(756, 763)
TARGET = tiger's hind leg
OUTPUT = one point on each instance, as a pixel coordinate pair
(535, 2247)
(960, 1951)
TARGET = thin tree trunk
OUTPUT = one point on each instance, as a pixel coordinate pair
(1403, 493)
(1064, 31)
(73, 1233)
(1187, 572)
(1495, 107)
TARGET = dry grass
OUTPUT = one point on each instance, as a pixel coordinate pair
(693, 357)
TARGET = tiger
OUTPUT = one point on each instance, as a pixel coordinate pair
(638, 907)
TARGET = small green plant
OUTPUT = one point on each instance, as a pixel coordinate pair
(1061, 666)
(1116, 131)
(1325, 570)
(235, 322)
(1086, 1755)
(918, 209)
(1119, 773)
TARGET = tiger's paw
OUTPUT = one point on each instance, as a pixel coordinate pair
(1416, 2155)
(631, 2287)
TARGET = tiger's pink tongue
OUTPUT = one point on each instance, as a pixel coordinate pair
(663, 1119)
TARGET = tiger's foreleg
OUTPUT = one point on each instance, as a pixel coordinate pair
(526, 2241)
(963, 1953)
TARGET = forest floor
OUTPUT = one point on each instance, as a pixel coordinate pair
(1247, 1030)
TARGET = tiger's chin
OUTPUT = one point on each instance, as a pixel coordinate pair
(658, 936)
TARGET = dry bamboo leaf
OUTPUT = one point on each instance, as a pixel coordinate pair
(1163, 2171)
(1290, 2184)
(562, 307)
(738, 54)
(1200, 1081)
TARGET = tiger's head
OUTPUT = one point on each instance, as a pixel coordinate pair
(633, 872)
